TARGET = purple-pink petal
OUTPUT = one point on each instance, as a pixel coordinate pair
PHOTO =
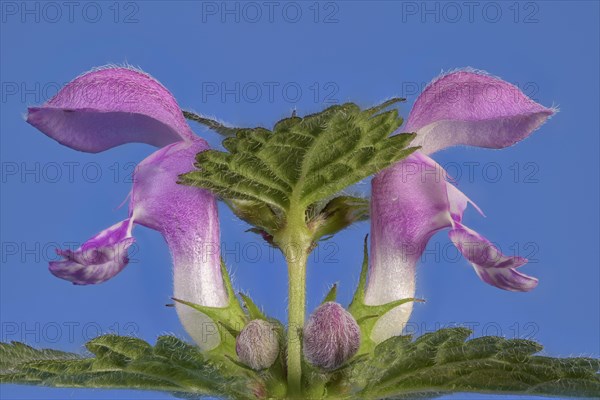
(110, 107)
(472, 108)
(491, 265)
(97, 260)
(410, 202)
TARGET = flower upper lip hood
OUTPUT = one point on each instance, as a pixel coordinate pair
(109, 107)
(473, 108)
(413, 199)
(113, 106)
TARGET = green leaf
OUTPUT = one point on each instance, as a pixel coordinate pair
(436, 363)
(385, 104)
(126, 347)
(15, 353)
(301, 161)
(210, 123)
(129, 363)
(444, 362)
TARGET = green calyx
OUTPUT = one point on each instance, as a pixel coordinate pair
(367, 315)
(230, 321)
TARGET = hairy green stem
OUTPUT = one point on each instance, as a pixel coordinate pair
(296, 316)
(295, 242)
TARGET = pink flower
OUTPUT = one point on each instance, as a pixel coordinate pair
(113, 106)
(413, 199)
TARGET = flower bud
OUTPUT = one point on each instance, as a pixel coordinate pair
(331, 336)
(257, 345)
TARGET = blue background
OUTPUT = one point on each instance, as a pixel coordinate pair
(365, 53)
